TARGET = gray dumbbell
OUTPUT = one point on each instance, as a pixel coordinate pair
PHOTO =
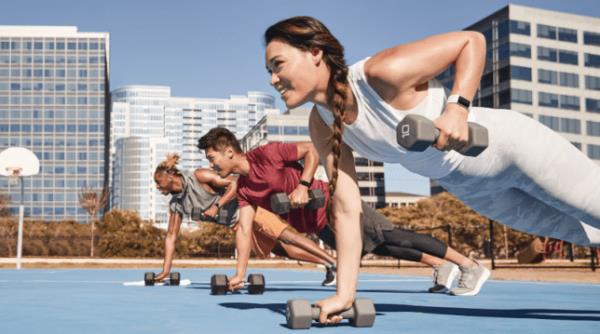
(219, 284)
(300, 313)
(150, 278)
(280, 202)
(417, 133)
(221, 218)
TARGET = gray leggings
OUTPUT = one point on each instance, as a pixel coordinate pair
(530, 178)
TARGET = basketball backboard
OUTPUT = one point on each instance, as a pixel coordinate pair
(20, 160)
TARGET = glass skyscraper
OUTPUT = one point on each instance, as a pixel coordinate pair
(54, 101)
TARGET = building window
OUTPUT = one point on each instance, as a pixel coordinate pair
(569, 102)
(569, 80)
(547, 77)
(594, 151)
(520, 50)
(520, 27)
(592, 83)
(568, 125)
(545, 31)
(547, 54)
(568, 57)
(273, 130)
(592, 60)
(592, 105)
(520, 73)
(591, 38)
(521, 96)
(548, 100)
(567, 35)
(593, 129)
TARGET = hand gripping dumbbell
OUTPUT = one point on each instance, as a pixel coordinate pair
(417, 133)
(280, 202)
(255, 284)
(149, 278)
(221, 218)
(300, 313)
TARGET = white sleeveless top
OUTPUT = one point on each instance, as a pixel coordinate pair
(373, 133)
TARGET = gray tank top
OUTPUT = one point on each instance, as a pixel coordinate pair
(194, 195)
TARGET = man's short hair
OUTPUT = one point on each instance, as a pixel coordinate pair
(218, 139)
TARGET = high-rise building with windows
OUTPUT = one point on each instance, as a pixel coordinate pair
(292, 126)
(546, 65)
(147, 120)
(53, 101)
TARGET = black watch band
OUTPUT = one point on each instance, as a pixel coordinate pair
(305, 183)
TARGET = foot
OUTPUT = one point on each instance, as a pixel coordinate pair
(443, 277)
(330, 279)
(471, 280)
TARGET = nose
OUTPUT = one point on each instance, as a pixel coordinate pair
(274, 79)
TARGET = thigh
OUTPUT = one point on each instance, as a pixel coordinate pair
(269, 223)
(523, 212)
(262, 244)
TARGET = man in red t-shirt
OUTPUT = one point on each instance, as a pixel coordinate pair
(258, 228)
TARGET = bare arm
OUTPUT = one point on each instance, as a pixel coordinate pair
(308, 152)
(243, 239)
(172, 231)
(409, 65)
(215, 181)
(347, 207)
(398, 73)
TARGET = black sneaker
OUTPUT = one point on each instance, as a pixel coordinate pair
(329, 277)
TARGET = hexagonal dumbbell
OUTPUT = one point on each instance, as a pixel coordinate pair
(300, 313)
(255, 284)
(417, 133)
(280, 202)
(221, 218)
(150, 278)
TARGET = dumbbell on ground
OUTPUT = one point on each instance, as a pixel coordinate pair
(280, 202)
(150, 278)
(417, 133)
(300, 313)
(255, 284)
(221, 218)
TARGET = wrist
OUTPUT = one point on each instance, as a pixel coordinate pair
(305, 183)
(456, 99)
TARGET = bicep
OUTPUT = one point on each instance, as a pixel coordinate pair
(409, 65)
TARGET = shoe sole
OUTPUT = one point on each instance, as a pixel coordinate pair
(484, 277)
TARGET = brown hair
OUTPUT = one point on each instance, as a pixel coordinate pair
(169, 165)
(306, 33)
(219, 138)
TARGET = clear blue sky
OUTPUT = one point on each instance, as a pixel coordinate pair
(214, 48)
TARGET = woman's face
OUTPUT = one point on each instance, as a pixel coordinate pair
(293, 72)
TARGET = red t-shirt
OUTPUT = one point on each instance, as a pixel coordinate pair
(274, 168)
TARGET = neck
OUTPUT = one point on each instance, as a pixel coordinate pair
(241, 165)
(349, 105)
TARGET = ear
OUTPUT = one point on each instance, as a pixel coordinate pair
(229, 152)
(317, 55)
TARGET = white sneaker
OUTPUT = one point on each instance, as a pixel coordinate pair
(443, 277)
(471, 280)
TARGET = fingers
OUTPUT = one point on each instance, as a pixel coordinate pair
(450, 141)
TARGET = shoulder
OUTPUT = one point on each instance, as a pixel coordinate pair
(204, 174)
